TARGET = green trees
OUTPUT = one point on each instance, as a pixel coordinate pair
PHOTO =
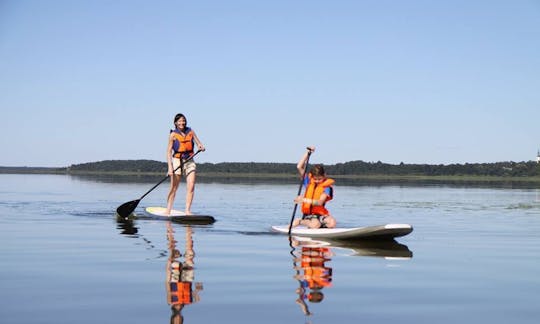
(352, 168)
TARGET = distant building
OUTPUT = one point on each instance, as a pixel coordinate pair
(538, 157)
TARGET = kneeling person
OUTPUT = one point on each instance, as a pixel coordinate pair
(318, 191)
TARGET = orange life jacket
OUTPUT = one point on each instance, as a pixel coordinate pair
(183, 144)
(314, 192)
(318, 277)
(316, 273)
(180, 293)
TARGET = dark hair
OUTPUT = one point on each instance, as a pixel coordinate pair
(315, 296)
(178, 116)
(317, 170)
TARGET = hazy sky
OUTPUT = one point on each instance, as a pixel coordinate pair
(395, 81)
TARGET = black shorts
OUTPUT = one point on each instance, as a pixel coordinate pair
(320, 218)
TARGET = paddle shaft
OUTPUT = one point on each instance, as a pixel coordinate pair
(300, 189)
(167, 177)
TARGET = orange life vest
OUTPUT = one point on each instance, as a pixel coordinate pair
(318, 277)
(180, 293)
(314, 192)
(183, 143)
(316, 273)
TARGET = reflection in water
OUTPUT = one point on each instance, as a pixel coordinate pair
(126, 226)
(202, 178)
(312, 272)
(180, 275)
(311, 258)
(386, 249)
(501, 182)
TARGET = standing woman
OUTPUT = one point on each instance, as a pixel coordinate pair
(181, 144)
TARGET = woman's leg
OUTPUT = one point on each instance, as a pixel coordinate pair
(190, 191)
(175, 181)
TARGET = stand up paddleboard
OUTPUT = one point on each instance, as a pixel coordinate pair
(378, 232)
(178, 216)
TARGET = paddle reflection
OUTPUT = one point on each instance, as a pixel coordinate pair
(126, 226)
(180, 275)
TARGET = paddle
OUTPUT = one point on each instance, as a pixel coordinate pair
(300, 188)
(127, 208)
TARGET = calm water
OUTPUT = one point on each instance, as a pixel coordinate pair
(473, 256)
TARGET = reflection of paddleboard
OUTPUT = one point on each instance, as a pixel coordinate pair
(177, 216)
(388, 249)
(378, 232)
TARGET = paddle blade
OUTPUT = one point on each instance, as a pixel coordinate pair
(126, 209)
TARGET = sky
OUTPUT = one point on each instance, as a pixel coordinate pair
(435, 82)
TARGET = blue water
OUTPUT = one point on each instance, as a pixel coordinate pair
(473, 255)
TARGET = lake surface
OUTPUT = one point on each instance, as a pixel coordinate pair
(473, 257)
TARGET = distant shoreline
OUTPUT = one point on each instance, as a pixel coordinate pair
(387, 178)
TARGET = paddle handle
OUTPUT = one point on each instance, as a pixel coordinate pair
(300, 188)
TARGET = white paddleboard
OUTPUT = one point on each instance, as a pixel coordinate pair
(178, 216)
(381, 232)
(160, 211)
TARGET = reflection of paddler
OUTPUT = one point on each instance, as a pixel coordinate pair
(315, 273)
(180, 275)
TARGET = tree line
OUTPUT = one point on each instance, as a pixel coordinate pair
(352, 168)
(515, 169)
